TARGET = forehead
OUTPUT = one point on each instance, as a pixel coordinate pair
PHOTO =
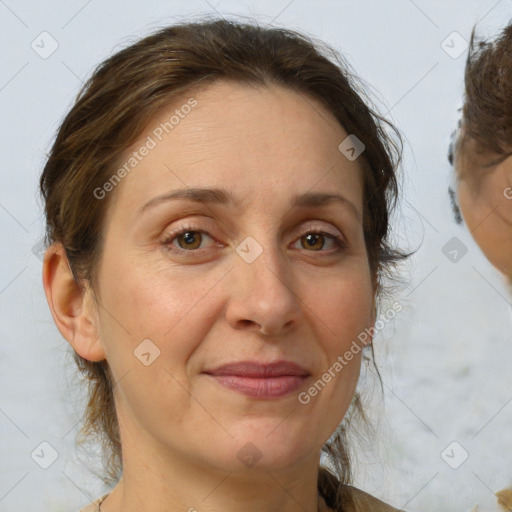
(243, 135)
(242, 117)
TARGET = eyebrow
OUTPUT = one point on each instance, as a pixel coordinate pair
(222, 196)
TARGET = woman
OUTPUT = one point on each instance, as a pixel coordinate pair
(482, 152)
(482, 158)
(217, 207)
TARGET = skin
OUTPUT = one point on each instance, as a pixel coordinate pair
(484, 192)
(180, 430)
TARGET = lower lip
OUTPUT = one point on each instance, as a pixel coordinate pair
(264, 388)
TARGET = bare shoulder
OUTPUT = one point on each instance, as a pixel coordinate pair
(366, 502)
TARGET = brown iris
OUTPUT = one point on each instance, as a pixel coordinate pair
(190, 237)
(312, 237)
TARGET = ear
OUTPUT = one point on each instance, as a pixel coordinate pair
(73, 309)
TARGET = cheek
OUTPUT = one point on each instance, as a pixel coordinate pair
(474, 209)
(486, 227)
(143, 302)
(344, 315)
(347, 305)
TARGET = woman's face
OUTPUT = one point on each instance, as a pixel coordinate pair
(247, 280)
(485, 199)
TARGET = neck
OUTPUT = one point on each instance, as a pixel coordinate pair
(181, 485)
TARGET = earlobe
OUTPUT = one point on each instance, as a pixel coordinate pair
(72, 308)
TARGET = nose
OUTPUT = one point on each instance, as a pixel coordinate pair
(262, 297)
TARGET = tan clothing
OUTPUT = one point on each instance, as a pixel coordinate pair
(504, 501)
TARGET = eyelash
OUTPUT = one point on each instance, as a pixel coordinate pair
(167, 241)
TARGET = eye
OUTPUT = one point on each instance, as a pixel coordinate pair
(316, 240)
(191, 239)
(188, 239)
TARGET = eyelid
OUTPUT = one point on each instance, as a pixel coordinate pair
(195, 226)
(321, 227)
(199, 224)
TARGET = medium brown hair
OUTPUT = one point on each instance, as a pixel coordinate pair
(115, 105)
(486, 127)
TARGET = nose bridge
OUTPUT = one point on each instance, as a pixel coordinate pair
(263, 291)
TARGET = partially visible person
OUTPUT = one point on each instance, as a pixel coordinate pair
(481, 154)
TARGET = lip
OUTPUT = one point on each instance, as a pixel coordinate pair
(260, 380)
(257, 369)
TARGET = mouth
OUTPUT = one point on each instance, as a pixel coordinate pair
(260, 380)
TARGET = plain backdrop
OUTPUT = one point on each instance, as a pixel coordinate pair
(446, 357)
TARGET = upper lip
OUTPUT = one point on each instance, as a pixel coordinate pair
(256, 369)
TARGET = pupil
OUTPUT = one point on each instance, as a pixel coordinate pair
(189, 238)
(312, 239)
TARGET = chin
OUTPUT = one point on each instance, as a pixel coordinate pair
(264, 446)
